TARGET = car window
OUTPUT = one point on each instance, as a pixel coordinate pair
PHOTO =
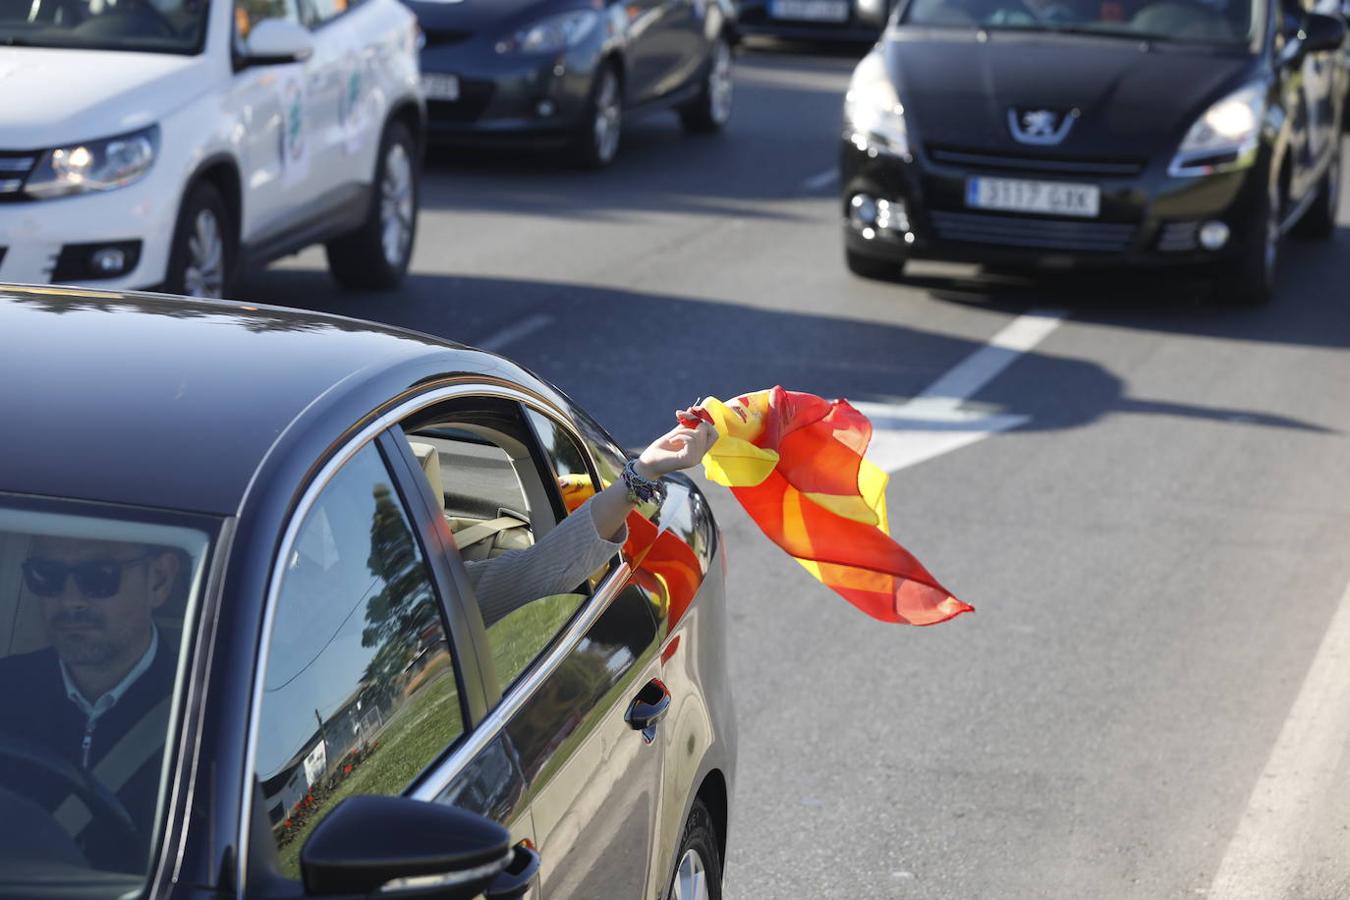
(321, 11)
(501, 496)
(165, 26)
(248, 13)
(360, 691)
(1206, 21)
(92, 629)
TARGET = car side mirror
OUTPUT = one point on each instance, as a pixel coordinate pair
(369, 843)
(875, 12)
(1322, 33)
(276, 41)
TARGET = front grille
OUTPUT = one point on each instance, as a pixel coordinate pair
(1042, 234)
(1178, 237)
(979, 159)
(442, 37)
(474, 97)
(14, 168)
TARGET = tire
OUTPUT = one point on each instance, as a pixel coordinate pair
(596, 143)
(697, 862)
(203, 253)
(375, 257)
(870, 267)
(709, 112)
(1319, 222)
(1251, 280)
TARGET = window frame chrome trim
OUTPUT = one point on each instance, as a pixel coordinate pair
(510, 702)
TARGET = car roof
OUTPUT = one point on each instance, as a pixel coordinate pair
(172, 402)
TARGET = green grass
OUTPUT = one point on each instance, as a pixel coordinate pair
(520, 637)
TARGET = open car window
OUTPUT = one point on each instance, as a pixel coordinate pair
(93, 606)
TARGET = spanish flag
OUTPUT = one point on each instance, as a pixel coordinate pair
(795, 462)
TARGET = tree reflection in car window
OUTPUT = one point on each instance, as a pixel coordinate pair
(360, 692)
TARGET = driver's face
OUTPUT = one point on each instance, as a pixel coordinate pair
(97, 596)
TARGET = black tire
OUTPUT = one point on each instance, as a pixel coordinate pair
(360, 261)
(709, 112)
(190, 271)
(1250, 280)
(593, 148)
(700, 837)
(1319, 222)
(865, 266)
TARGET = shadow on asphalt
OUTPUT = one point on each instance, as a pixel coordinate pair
(631, 358)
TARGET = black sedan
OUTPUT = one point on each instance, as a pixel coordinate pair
(1095, 132)
(259, 636)
(567, 72)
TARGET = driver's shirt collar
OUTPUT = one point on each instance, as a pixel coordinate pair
(100, 706)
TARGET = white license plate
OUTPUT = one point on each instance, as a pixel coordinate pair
(440, 87)
(1052, 198)
(810, 10)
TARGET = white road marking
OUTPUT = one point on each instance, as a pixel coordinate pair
(1263, 858)
(933, 423)
(821, 180)
(514, 332)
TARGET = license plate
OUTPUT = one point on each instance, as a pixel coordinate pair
(810, 10)
(1052, 198)
(440, 87)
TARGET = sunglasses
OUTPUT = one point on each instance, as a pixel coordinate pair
(97, 579)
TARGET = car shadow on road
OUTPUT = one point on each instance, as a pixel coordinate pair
(632, 357)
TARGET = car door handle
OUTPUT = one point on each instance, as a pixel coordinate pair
(648, 708)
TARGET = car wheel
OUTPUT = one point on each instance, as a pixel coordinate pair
(1319, 222)
(698, 870)
(711, 109)
(375, 256)
(865, 266)
(1251, 279)
(201, 258)
(597, 141)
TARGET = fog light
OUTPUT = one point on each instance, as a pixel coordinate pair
(545, 108)
(892, 215)
(1213, 235)
(862, 211)
(108, 261)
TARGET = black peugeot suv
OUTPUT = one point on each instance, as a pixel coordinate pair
(1072, 133)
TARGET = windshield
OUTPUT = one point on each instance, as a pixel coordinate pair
(165, 26)
(92, 611)
(1225, 22)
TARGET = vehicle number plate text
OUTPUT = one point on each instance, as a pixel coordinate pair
(810, 10)
(1053, 198)
(437, 86)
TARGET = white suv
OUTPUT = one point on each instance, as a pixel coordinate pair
(163, 143)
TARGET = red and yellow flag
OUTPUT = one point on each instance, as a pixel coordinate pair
(795, 462)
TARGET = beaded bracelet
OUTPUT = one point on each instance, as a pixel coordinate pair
(642, 490)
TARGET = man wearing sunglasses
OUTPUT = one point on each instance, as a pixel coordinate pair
(98, 696)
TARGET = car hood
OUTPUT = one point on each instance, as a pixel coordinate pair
(60, 96)
(1132, 99)
(472, 17)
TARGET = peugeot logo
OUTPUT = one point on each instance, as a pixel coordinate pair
(1040, 126)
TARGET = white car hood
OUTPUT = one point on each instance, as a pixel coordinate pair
(58, 96)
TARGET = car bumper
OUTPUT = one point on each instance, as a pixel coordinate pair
(755, 18)
(508, 97)
(1146, 218)
(49, 241)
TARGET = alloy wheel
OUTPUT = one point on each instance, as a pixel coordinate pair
(205, 273)
(396, 205)
(608, 117)
(720, 86)
(691, 878)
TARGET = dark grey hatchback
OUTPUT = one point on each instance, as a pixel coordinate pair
(269, 544)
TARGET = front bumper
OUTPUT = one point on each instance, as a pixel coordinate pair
(33, 234)
(506, 98)
(1146, 219)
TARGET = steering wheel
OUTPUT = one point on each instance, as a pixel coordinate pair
(108, 812)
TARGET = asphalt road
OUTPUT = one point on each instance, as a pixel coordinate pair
(1139, 707)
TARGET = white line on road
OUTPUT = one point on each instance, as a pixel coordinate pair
(514, 332)
(933, 423)
(822, 180)
(1264, 855)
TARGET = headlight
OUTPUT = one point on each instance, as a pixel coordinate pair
(94, 165)
(552, 35)
(872, 108)
(1225, 137)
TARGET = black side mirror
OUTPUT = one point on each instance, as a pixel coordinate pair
(1323, 32)
(367, 842)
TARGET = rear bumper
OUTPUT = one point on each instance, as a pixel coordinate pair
(1146, 219)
